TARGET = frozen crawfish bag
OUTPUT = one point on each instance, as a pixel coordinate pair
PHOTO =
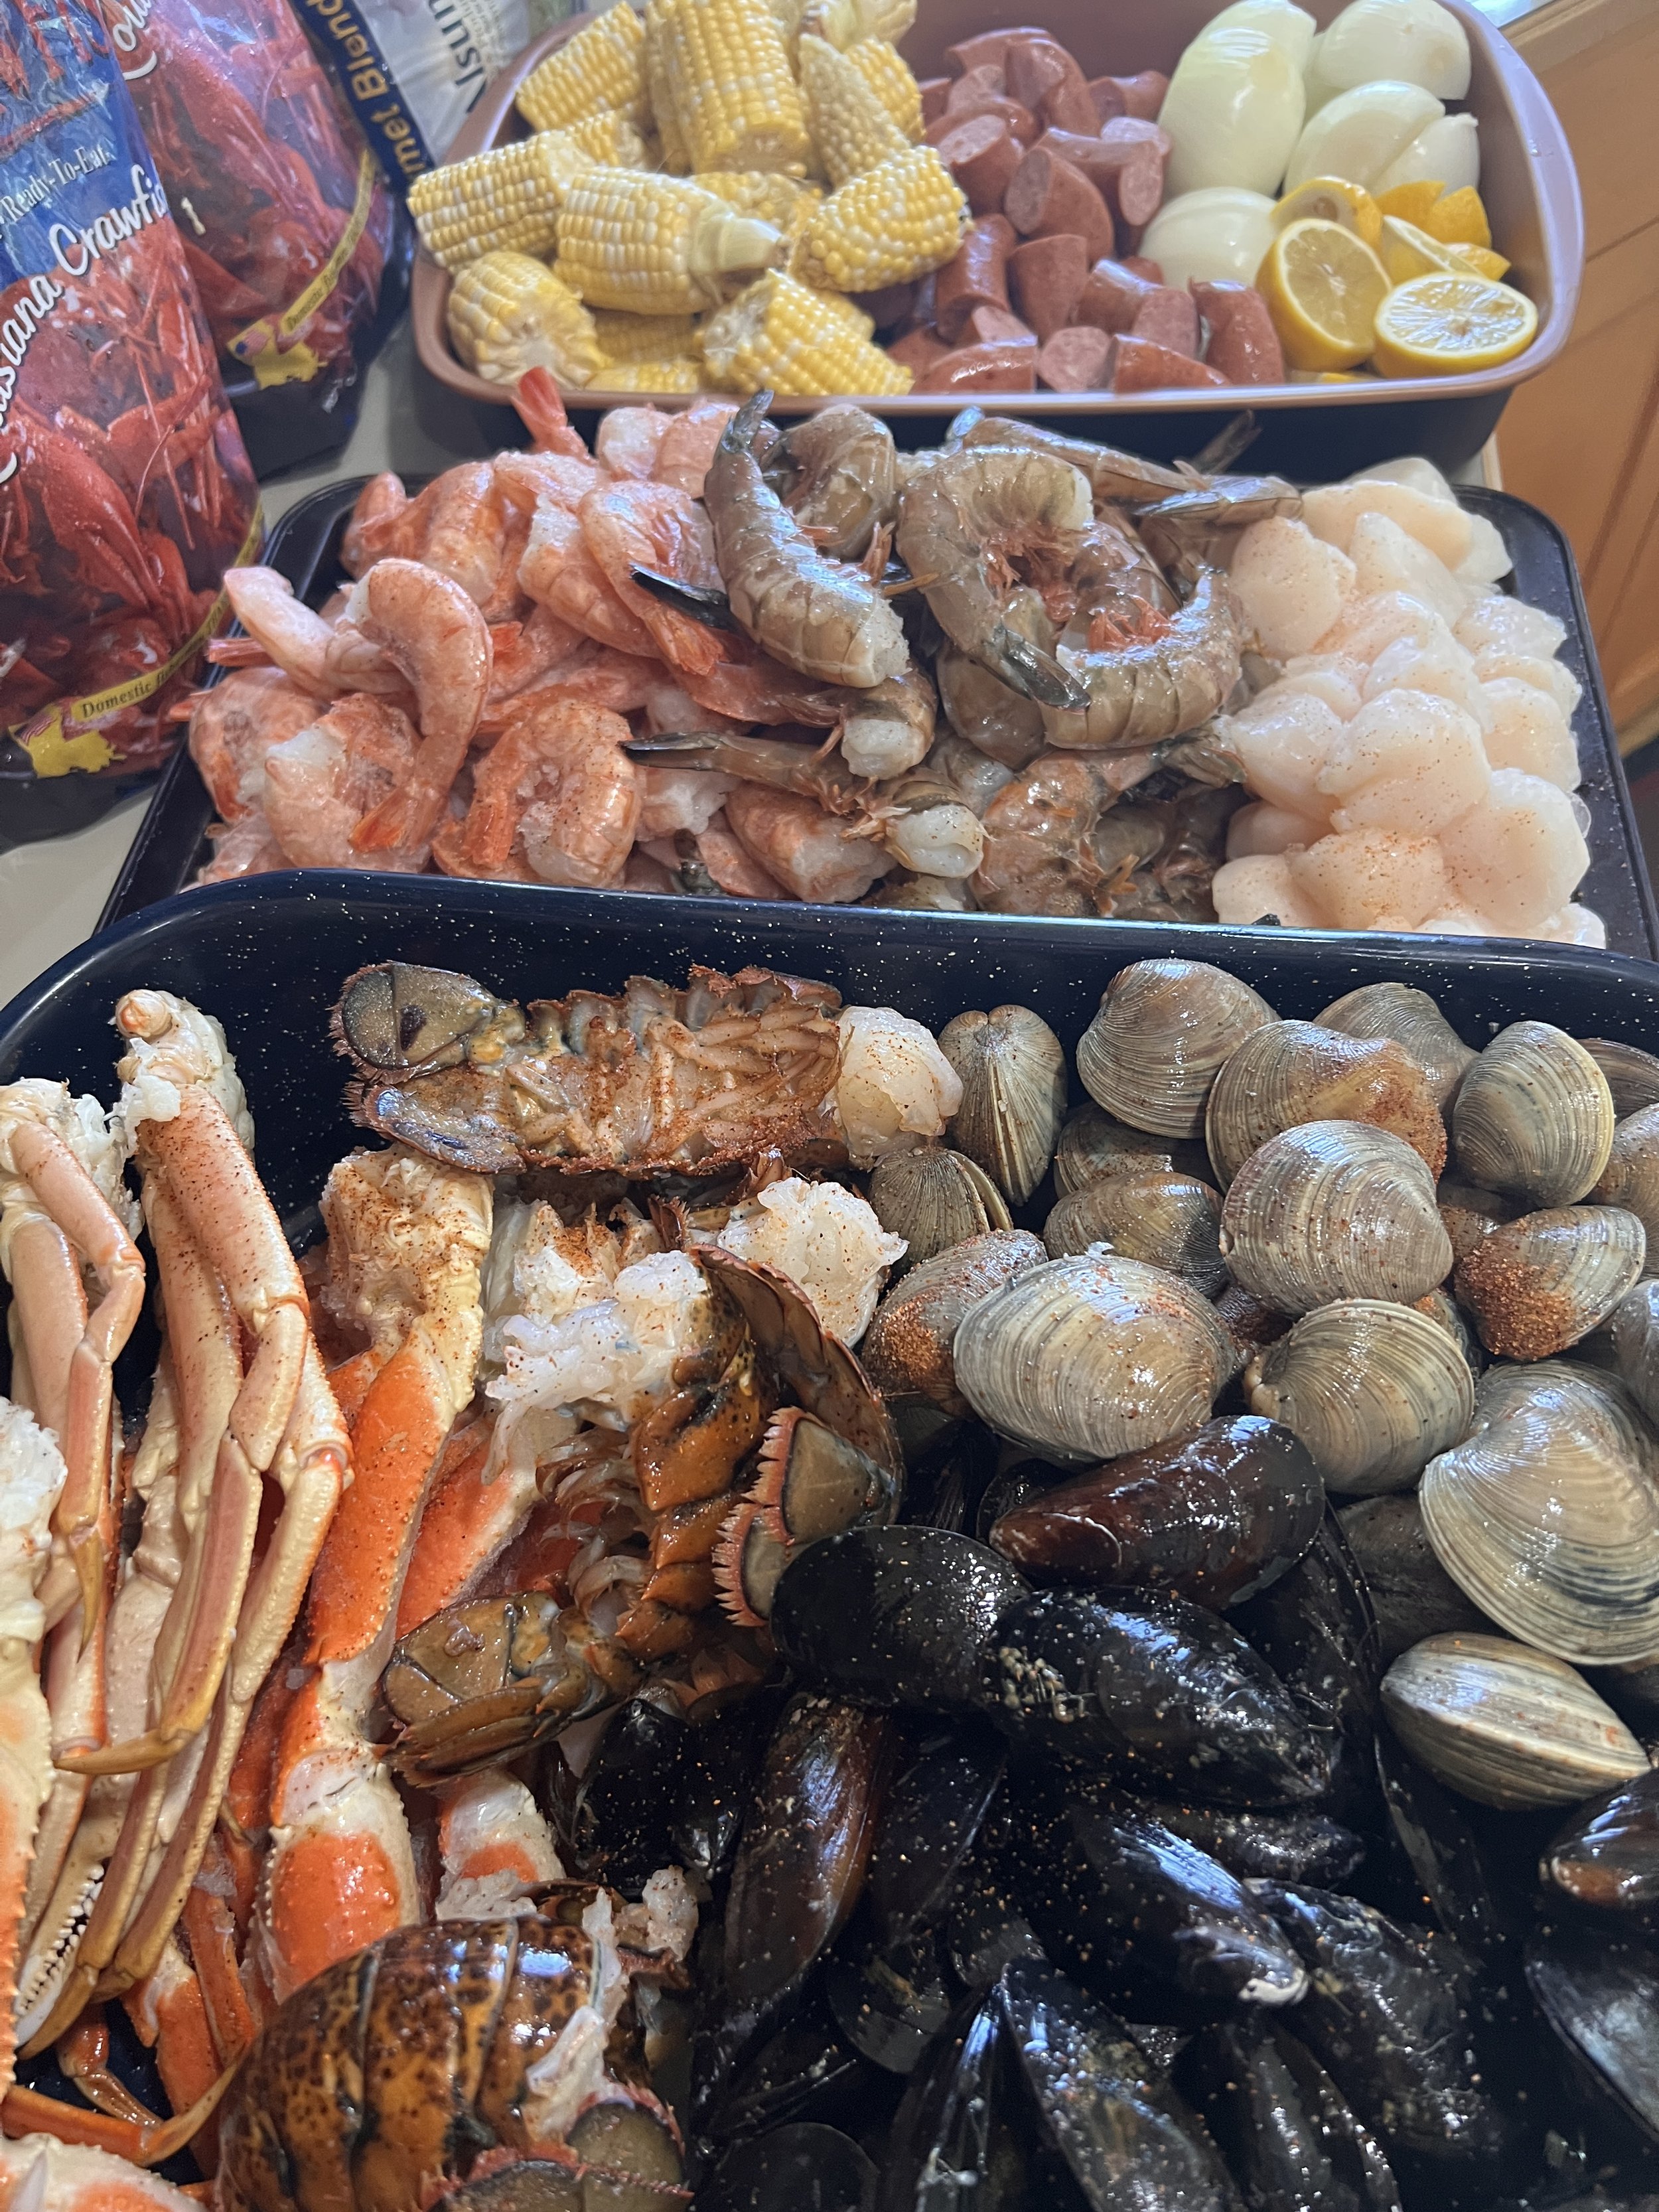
(125, 490)
(297, 244)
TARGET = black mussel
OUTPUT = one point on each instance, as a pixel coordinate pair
(1410, 1592)
(1298, 1844)
(718, 1771)
(1159, 2044)
(929, 1823)
(1148, 1923)
(1165, 1689)
(792, 2168)
(1215, 1516)
(1633, 1693)
(1016, 1486)
(616, 1822)
(1388, 2022)
(1600, 1995)
(1292, 2141)
(890, 2004)
(806, 2072)
(1607, 1854)
(1451, 1864)
(961, 2140)
(984, 1928)
(948, 1475)
(1316, 1629)
(1124, 2137)
(893, 1616)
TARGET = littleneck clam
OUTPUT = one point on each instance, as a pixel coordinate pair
(1091, 1357)
(1537, 1284)
(1547, 1513)
(1636, 1345)
(1412, 1018)
(1013, 1094)
(1533, 1118)
(1170, 1220)
(1470, 1214)
(906, 1348)
(1442, 1308)
(1631, 1177)
(1632, 1074)
(1374, 1389)
(1296, 1072)
(1334, 1210)
(935, 1198)
(1506, 1725)
(1093, 1142)
(1163, 1030)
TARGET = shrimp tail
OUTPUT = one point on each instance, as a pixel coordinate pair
(1035, 674)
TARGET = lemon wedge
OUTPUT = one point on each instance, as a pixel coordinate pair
(1410, 202)
(1409, 252)
(1324, 286)
(1458, 218)
(1445, 325)
(1332, 199)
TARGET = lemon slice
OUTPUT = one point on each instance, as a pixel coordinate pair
(1407, 251)
(1410, 202)
(1442, 325)
(1324, 286)
(1332, 199)
(1481, 261)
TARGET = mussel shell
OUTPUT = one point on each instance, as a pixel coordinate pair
(1635, 1325)
(1539, 1284)
(890, 2004)
(934, 1198)
(985, 1928)
(1631, 1177)
(1533, 1118)
(1296, 1072)
(802, 2163)
(1506, 1725)
(1289, 2135)
(1297, 1844)
(961, 2140)
(1413, 1019)
(1470, 1213)
(1093, 1142)
(894, 1616)
(1333, 1210)
(1091, 1357)
(929, 1824)
(1167, 1219)
(1607, 1854)
(1602, 1998)
(720, 1761)
(907, 1349)
(806, 2072)
(616, 1822)
(1412, 1592)
(1547, 1513)
(1471, 1890)
(1632, 1074)
(1013, 1094)
(1163, 1030)
(1373, 1391)
(1214, 1516)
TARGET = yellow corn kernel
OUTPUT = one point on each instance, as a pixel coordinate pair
(602, 67)
(625, 338)
(505, 198)
(851, 129)
(726, 71)
(779, 336)
(775, 199)
(677, 373)
(654, 246)
(844, 23)
(508, 313)
(608, 140)
(888, 74)
(899, 219)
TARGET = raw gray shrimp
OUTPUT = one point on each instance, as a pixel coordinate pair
(815, 614)
(1118, 480)
(837, 473)
(1054, 841)
(1199, 527)
(891, 725)
(1151, 680)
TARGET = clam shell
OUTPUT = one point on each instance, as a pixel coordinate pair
(1412, 1018)
(1088, 1357)
(1632, 1074)
(906, 1348)
(1170, 1220)
(1547, 1513)
(1533, 1118)
(1470, 1214)
(1013, 1094)
(935, 1198)
(1333, 1210)
(1413, 1594)
(1093, 1142)
(1505, 1725)
(1635, 1327)
(1163, 1028)
(1251, 1325)
(1298, 1072)
(1631, 1177)
(1374, 1391)
(1443, 1309)
(1539, 1284)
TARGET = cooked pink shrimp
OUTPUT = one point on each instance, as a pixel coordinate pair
(245, 848)
(233, 725)
(526, 652)
(381, 504)
(751, 689)
(629, 440)
(429, 627)
(558, 801)
(600, 676)
(527, 478)
(689, 442)
(559, 569)
(650, 525)
(809, 852)
(283, 628)
(736, 872)
(541, 410)
(328, 777)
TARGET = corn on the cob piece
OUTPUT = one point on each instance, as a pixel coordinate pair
(658, 246)
(508, 313)
(851, 129)
(602, 67)
(844, 23)
(658, 86)
(677, 373)
(779, 336)
(897, 221)
(888, 74)
(625, 338)
(609, 140)
(506, 198)
(725, 72)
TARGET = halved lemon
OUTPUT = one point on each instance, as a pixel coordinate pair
(1331, 199)
(1446, 325)
(1324, 286)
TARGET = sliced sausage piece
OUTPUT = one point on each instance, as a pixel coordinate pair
(978, 278)
(1139, 365)
(1168, 318)
(1126, 170)
(982, 369)
(1138, 264)
(1142, 95)
(935, 91)
(1107, 99)
(986, 83)
(1046, 278)
(1243, 343)
(997, 327)
(890, 309)
(917, 350)
(988, 46)
(1042, 76)
(1078, 360)
(1112, 296)
(1020, 120)
(1047, 196)
(982, 155)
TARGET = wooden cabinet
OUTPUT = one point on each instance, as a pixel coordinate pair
(1583, 439)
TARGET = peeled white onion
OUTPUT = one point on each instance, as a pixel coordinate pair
(1359, 133)
(1413, 41)
(1234, 109)
(1449, 150)
(1220, 232)
(1285, 24)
